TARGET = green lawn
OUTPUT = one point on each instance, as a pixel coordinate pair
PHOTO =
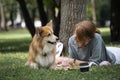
(105, 32)
(13, 55)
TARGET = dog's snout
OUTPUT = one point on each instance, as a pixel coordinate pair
(57, 38)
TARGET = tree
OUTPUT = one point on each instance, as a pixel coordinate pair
(51, 7)
(43, 15)
(93, 11)
(28, 20)
(72, 12)
(57, 18)
(102, 11)
(115, 20)
(2, 16)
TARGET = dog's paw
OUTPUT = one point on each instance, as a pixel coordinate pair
(34, 65)
(27, 63)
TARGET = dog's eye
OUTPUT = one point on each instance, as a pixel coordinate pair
(49, 34)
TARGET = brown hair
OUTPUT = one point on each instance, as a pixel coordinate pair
(84, 32)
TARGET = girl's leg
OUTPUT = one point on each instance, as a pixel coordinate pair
(116, 52)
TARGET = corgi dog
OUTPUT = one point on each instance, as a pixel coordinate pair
(42, 50)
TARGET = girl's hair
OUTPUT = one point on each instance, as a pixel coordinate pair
(84, 31)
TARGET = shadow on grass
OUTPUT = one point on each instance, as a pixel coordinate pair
(14, 45)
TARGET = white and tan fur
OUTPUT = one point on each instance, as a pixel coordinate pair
(42, 49)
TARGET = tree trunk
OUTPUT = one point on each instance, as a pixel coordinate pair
(2, 16)
(93, 11)
(57, 24)
(57, 18)
(52, 15)
(72, 12)
(33, 14)
(11, 18)
(115, 20)
(43, 15)
(28, 20)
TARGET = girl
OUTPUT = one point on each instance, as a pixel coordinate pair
(87, 45)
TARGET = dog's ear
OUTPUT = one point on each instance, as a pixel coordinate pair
(38, 31)
(50, 23)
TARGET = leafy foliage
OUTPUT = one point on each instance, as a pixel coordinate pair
(102, 10)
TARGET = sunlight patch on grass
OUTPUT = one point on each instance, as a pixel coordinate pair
(15, 34)
(15, 40)
(105, 31)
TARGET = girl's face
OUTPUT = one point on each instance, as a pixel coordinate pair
(83, 42)
(84, 32)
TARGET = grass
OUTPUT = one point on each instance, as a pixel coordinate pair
(13, 55)
(105, 32)
(14, 41)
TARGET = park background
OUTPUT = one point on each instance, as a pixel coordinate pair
(19, 18)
